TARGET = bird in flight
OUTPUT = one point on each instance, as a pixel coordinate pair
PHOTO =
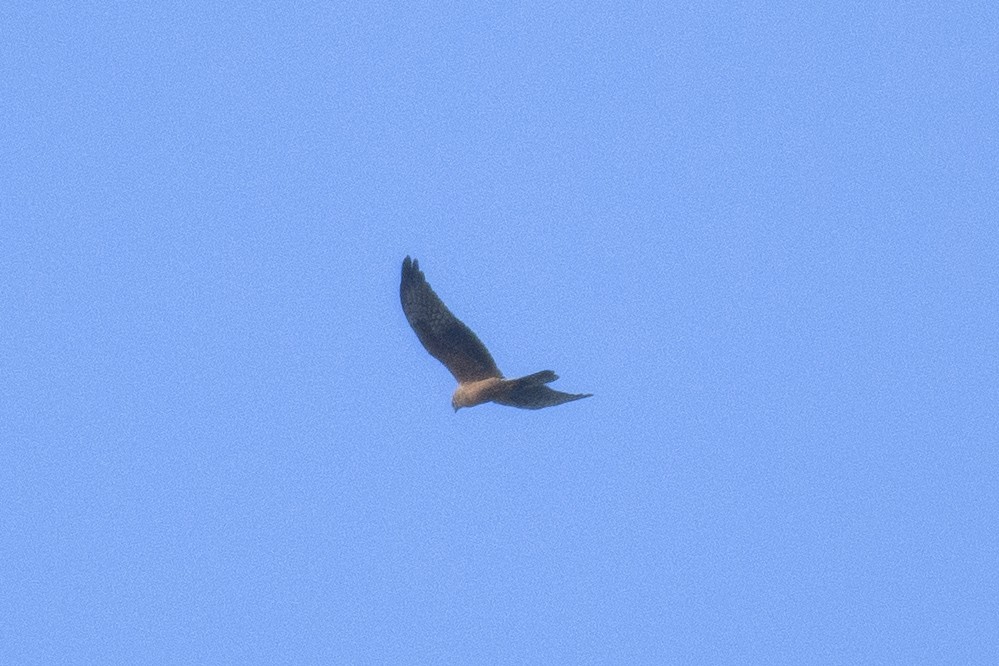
(460, 350)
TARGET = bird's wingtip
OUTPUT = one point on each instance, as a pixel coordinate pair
(410, 264)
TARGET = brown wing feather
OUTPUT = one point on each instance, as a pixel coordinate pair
(444, 335)
(537, 397)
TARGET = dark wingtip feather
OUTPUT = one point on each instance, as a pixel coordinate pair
(411, 269)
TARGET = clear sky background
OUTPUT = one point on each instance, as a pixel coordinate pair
(764, 236)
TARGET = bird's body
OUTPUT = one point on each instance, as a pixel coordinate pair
(471, 394)
(460, 350)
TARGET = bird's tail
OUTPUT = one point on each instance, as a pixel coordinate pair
(537, 378)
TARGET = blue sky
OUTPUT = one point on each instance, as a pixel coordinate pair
(764, 236)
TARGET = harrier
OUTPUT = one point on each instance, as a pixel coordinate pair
(453, 344)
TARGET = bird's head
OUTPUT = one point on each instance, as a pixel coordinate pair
(463, 397)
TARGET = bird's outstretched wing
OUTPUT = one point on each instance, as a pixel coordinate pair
(537, 396)
(444, 336)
